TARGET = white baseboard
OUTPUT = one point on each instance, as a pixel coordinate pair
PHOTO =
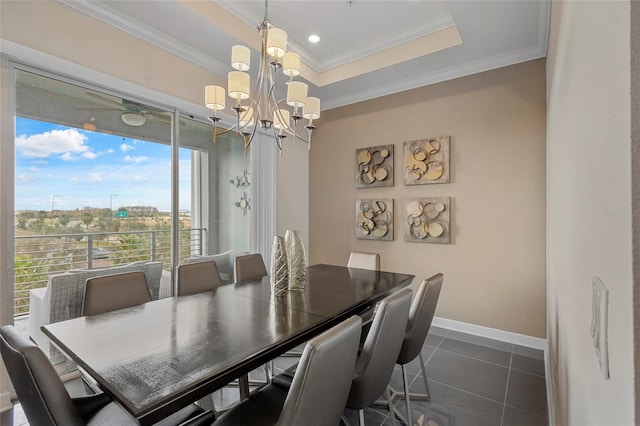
(491, 333)
(5, 402)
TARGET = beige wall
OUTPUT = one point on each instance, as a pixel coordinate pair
(495, 266)
(589, 209)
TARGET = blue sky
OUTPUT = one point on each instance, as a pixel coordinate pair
(82, 169)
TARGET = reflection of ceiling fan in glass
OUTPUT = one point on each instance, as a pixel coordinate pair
(131, 113)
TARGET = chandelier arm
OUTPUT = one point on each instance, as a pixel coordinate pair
(277, 139)
(287, 125)
(248, 138)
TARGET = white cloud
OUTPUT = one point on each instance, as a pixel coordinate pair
(73, 178)
(43, 145)
(67, 156)
(95, 177)
(131, 159)
(111, 151)
(34, 169)
(124, 147)
(90, 155)
(139, 178)
(25, 178)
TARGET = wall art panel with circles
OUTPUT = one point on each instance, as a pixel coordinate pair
(427, 220)
(374, 220)
(426, 161)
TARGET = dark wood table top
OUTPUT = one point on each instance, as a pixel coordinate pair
(158, 357)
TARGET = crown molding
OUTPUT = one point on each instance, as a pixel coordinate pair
(149, 35)
(544, 21)
(389, 41)
(486, 64)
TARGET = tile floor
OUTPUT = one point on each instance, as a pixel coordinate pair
(473, 381)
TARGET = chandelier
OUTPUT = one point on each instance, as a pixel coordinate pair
(261, 105)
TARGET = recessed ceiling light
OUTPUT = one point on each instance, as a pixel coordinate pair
(314, 38)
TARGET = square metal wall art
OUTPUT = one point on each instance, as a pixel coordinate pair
(427, 220)
(374, 220)
(426, 161)
(374, 166)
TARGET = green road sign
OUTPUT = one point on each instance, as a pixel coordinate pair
(122, 213)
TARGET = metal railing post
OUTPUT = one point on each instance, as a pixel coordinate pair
(153, 245)
(89, 251)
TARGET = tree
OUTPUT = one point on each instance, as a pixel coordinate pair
(22, 221)
(132, 248)
(64, 220)
(87, 218)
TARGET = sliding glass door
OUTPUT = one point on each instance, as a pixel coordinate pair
(96, 189)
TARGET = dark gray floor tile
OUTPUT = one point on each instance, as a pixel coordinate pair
(479, 377)
(513, 417)
(528, 352)
(482, 341)
(371, 416)
(472, 350)
(433, 340)
(14, 417)
(449, 406)
(530, 365)
(438, 331)
(527, 392)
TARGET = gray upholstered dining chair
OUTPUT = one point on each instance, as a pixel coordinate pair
(112, 292)
(197, 277)
(319, 388)
(46, 402)
(379, 354)
(249, 267)
(363, 260)
(420, 316)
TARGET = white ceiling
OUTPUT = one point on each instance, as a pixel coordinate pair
(367, 48)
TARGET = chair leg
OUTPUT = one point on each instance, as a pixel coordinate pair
(243, 384)
(361, 416)
(392, 409)
(427, 395)
(407, 399)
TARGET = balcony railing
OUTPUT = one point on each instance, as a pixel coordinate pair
(38, 256)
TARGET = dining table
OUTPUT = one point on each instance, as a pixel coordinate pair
(156, 358)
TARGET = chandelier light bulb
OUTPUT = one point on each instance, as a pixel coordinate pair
(311, 108)
(239, 85)
(296, 93)
(291, 64)
(240, 57)
(276, 42)
(214, 97)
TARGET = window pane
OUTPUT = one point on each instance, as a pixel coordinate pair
(219, 195)
(92, 194)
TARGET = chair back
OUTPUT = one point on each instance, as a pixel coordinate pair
(380, 350)
(249, 267)
(420, 316)
(319, 389)
(364, 260)
(197, 277)
(41, 393)
(112, 292)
